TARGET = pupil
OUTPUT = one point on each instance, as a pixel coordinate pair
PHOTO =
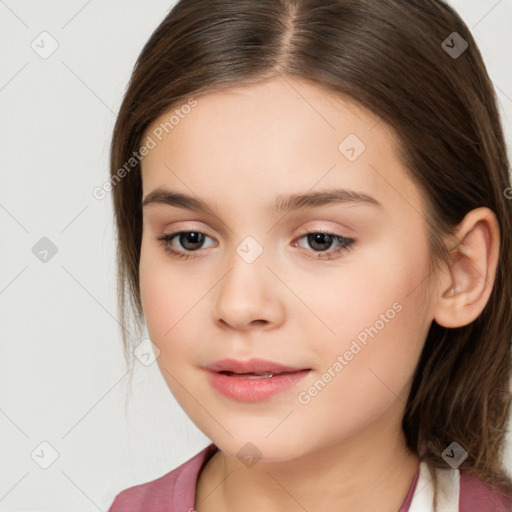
(322, 239)
(188, 239)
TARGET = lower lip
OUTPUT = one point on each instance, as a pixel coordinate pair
(244, 389)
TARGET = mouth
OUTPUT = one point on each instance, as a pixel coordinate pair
(252, 366)
(255, 386)
(254, 375)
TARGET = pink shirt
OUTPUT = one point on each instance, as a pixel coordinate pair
(175, 491)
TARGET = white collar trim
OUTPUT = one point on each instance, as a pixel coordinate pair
(448, 490)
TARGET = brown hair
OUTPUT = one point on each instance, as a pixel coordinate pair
(388, 56)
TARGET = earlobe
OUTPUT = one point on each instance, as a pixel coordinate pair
(468, 282)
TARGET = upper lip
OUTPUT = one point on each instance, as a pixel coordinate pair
(250, 366)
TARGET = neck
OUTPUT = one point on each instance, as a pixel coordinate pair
(371, 470)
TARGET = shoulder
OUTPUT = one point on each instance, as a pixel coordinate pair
(173, 491)
(477, 496)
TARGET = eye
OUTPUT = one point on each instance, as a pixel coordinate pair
(320, 241)
(189, 240)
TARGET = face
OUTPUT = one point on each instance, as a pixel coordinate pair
(336, 288)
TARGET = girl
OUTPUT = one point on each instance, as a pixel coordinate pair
(313, 221)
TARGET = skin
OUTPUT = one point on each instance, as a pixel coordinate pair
(237, 150)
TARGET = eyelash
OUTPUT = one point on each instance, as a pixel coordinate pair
(347, 244)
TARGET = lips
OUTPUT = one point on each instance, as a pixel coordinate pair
(253, 380)
(253, 375)
(251, 366)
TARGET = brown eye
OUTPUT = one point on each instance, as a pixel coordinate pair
(321, 242)
(188, 243)
(189, 240)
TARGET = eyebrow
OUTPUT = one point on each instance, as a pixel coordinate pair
(283, 203)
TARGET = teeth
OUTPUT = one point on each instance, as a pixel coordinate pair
(263, 375)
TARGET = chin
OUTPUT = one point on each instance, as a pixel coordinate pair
(252, 449)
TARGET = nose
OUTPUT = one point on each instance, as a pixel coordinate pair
(249, 296)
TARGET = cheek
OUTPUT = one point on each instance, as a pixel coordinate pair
(381, 317)
(170, 302)
(165, 298)
(380, 324)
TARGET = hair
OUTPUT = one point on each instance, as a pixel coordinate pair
(387, 56)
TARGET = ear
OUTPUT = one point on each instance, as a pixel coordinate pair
(466, 285)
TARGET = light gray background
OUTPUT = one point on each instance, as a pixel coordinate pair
(62, 374)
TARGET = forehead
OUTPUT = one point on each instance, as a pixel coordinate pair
(283, 135)
(275, 111)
